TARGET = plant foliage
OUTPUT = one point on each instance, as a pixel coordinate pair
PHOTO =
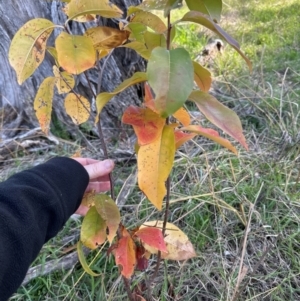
(169, 81)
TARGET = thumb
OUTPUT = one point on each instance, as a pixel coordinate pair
(99, 169)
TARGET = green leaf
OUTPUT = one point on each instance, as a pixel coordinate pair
(140, 48)
(221, 116)
(103, 98)
(200, 18)
(27, 49)
(213, 8)
(137, 31)
(75, 53)
(93, 229)
(171, 76)
(103, 8)
(83, 262)
(153, 40)
(109, 211)
(202, 77)
(43, 103)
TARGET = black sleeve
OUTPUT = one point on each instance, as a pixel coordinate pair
(34, 206)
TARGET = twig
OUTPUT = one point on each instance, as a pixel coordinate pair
(242, 272)
(64, 263)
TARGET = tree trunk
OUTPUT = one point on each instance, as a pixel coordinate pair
(16, 101)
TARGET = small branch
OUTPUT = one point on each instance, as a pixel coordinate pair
(105, 153)
(89, 83)
(169, 32)
(101, 73)
(64, 263)
(128, 290)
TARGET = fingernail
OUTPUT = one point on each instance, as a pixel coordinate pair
(108, 164)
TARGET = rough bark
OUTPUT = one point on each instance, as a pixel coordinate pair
(16, 101)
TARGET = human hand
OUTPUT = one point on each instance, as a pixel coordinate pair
(99, 177)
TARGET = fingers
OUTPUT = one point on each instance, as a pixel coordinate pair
(99, 168)
(98, 186)
(85, 161)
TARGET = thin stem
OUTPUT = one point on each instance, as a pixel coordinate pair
(111, 180)
(127, 287)
(89, 83)
(99, 126)
(168, 182)
(169, 32)
(101, 72)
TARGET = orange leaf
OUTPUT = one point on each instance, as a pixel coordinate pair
(155, 161)
(147, 124)
(148, 93)
(125, 255)
(181, 138)
(183, 116)
(106, 37)
(152, 237)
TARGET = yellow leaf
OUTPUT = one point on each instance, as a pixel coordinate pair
(183, 116)
(64, 81)
(75, 53)
(202, 77)
(43, 103)
(103, 98)
(102, 8)
(140, 48)
(77, 108)
(178, 245)
(53, 53)
(155, 161)
(106, 37)
(27, 49)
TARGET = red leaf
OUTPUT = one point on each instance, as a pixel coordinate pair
(152, 237)
(181, 138)
(148, 93)
(125, 254)
(147, 124)
(142, 261)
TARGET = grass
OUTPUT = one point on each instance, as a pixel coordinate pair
(241, 213)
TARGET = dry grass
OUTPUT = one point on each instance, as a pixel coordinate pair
(241, 213)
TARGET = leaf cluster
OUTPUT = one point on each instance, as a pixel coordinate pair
(161, 124)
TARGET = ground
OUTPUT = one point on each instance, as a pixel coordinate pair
(241, 212)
